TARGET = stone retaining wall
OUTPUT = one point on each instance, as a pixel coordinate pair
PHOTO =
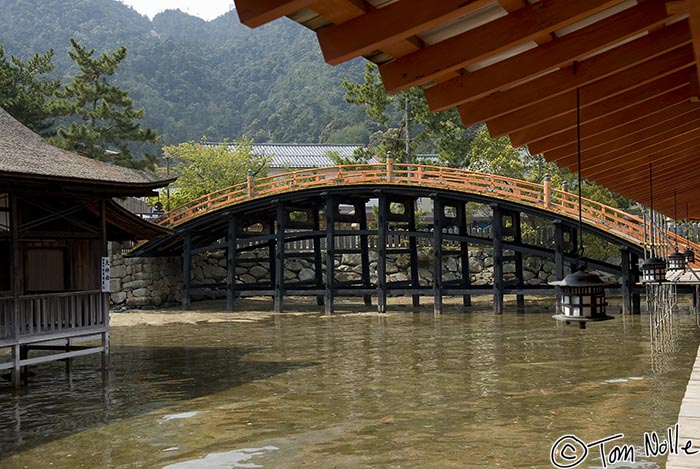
(154, 282)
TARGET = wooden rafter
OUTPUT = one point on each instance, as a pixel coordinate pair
(492, 38)
(254, 13)
(557, 53)
(614, 61)
(383, 26)
(620, 109)
(694, 19)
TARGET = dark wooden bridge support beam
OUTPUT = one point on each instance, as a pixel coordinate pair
(330, 253)
(232, 243)
(318, 255)
(187, 271)
(636, 296)
(438, 215)
(364, 254)
(413, 250)
(272, 253)
(464, 252)
(382, 229)
(498, 284)
(518, 239)
(279, 259)
(558, 256)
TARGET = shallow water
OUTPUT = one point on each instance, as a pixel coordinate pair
(353, 391)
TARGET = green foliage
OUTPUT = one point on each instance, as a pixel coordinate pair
(26, 92)
(359, 156)
(207, 168)
(429, 132)
(495, 156)
(103, 116)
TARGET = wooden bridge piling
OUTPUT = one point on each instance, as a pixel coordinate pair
(498, 284)
(187, 270)
(438, 218)
(413, 250)
(382, 227)
(464, 253)
(331, 208)
(231, 242)
(279, 258)
(364, 249)
(318, 255)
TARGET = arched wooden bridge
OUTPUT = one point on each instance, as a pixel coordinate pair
(328, 205)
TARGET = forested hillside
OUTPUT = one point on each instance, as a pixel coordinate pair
(217, 79)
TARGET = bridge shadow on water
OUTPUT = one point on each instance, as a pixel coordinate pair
(141, 379)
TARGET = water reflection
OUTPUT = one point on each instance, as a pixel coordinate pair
(400, 390)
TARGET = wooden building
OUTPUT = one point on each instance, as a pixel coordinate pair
(56, 217)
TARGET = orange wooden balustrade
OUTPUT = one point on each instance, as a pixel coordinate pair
(610, 219)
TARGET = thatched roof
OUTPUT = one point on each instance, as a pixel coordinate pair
(26, 156)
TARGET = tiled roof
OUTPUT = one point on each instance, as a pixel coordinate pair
(24, 153)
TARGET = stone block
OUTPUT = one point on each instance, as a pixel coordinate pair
(142, 292)
(134, 284)
(118, 271)
(259, 272)
(118, 297)
(306, 275)
(138, 301)
(115, 285)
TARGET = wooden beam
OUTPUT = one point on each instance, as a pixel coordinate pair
(694, 20)
(633, 136)
(592, 136)
(663, 188)
(340, 11)
(631, 54)
(614, 112)
(557, 53)
(596, 92)
(603, 167)
(254, 13)
(492, 38)
(383, 26)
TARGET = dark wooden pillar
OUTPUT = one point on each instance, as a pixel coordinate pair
(318, 259)
(438, 215)
(636, 297)
(105, 294)
(16, 286)
(381, 252)
(464, 252)
(413, 251)
(364, 253)
(279, 259)
(330, 253)
(232, 241)
(272, 253)
(518, 239)
(574, 234)
(558, 255)
(627, 280)
(498, 284)
(187, 271)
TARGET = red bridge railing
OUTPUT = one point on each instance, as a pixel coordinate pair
(610, 219)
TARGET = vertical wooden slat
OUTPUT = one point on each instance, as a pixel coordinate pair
(16, 274)
(318, 260)
(330, 254)
(364, 253)
(627, 283)
(279, 260)
(232, 241)
(518, 238)
(438, 214)
(382, 240)
(464, 252)
(498, 285)
(413, 251)
(187, 270)
(558, 257)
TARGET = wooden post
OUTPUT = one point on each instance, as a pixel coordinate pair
(330, 253)
(464, 253)
(558, 256)
(547, 190)
(187, 271)
(498, 285)
(279, 264)
(634, 271)
(272, 254)
(318, 259)
(627, 281)
(413, 251)
(105, 295)
(389, 169)
(381, 250)
(232, 241)
(249, 183)
(364, 254)
(16, 276)
(518, 239)
(438, 214)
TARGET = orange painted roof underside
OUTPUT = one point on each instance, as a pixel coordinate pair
(516, 65)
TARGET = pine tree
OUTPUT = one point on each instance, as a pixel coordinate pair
(26, 92)
(103, 119)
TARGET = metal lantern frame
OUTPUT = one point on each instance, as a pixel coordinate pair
(676, 261)
(689, 255)
(654, 270)
(582, 298)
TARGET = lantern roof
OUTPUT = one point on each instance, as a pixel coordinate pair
(581, 278)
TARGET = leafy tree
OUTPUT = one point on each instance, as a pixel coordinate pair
(26, 92)
(495, 156)
(203, 168)
(102, 116)
(428, 131)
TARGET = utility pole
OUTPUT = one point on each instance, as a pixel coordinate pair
(409, 160)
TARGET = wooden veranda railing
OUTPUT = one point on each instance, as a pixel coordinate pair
(51, 314)
(541, 196)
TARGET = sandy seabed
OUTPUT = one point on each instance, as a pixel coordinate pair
(260, 309)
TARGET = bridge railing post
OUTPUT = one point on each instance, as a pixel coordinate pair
(547, 190)
(249, 181)
(389, 168)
